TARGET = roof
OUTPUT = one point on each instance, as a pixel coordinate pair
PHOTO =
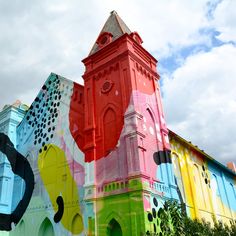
(114, 25)
(173, 134)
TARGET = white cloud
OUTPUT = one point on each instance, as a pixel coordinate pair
(54, 36)
(225, 20)
(200, 101)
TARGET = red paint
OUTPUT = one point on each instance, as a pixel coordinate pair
(76, 115)
(111, 75)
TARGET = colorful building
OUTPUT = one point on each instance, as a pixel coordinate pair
(96, 159)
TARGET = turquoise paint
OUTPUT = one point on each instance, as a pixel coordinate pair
(10, 117)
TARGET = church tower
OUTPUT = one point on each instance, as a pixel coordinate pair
(125, 135)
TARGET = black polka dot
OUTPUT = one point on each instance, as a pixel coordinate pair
(45, 148)
(150, 218)
(154, 212)
(154, 226)
(206, 181)
(155, 202)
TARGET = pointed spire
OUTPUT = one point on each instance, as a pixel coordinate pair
(115, 26)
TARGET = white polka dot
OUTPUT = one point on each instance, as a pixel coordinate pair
(151, 130)
(144, 127)
(157, 127)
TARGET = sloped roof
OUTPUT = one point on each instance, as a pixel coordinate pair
(114, 25)
(196, 148)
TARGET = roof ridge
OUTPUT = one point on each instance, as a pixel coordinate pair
(120, 23)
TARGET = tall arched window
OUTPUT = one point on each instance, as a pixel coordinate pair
(177, 174)
(77, 224)
(114, 228)
(216, 201)
(198, 187)
(46, 228)
(110, 130)
(151, 143)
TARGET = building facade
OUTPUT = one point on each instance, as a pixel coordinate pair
(97, 160)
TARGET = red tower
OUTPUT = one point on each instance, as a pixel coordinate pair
(124, 138)
(119, 74)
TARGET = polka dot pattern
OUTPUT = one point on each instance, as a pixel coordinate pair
(43, 113)
(157, 226)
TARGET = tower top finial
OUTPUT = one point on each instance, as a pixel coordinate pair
(114, 12)
(115, 26)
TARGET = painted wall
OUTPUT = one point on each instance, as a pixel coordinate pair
(10, 117)
(207, 187)
(96, 160)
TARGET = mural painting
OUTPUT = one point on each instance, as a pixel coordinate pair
(97, 160)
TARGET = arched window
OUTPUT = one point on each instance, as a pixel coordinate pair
(150, 130)
(198, 187)
(46, 228)
(110, 130)
(114, 228)
(217, 204)
(177, 173)
(77, 224)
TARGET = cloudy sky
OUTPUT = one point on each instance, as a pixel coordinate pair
(194, 42)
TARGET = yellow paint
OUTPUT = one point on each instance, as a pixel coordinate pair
(201, 200)
(58, 181)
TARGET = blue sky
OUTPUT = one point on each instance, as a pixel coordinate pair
(194, 42)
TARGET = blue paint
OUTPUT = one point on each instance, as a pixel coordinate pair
(10, 117)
